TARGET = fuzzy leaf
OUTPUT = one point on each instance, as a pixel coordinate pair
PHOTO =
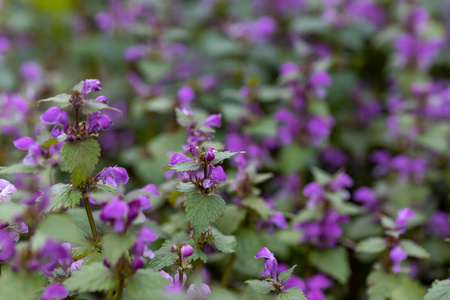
(371, 245)
(440, 290)
(183, 119)
(163, 257)
(185, 187)
(183, 166)
(414, 250)
(321, 176)
(63, 195)
(60, 227)
(408, 289)
(146, 282)
(116, 244)
(91, 106)
(202, 210)
(93, 257)
(80, 159)
(224, 243)
(260, 286)
(284, 276)
(222, 155)
(334, 262)
(294, 293)
(61, 100)
(231, 219)
(18, 168)
(381, 285)
(198, 254)
(20, 285)
(258, 205)
(94, 277)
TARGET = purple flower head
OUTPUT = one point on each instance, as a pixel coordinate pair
(402, 219)
(102, 99)
(218, 174)
(113, 175)
(279, 220)
(366, 196)
(57, 116)
(5, 44)
(319, 282)
(210, 155)
(271, 264)
(334, 157)
(319, 128)
(177, 284)
(51, 255)
(185, 96)
(262, 29)
(439, 224)
(6, 188)
(115, 212)
(207, 183)
(55, 291)
(186, 250)
(90, 85)
(135, 52)
(213, 121)
(198, 291)
(342, 181)
(417, 20)
(76, 265)
(7, 249)
(397, 255)
(318, 82)
(97, 121)
(31, 71)
(145, 237)
(288, 68)
(315, 193)
(177, 158)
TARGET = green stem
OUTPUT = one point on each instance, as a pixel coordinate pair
(121, 278)
(228, 269)
(87, 206)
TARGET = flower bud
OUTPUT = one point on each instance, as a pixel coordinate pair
(186, 251)
(210, 155)
(174, 248)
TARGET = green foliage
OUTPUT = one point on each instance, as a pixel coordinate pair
(440, 290)
(80, 158)
(90, 106)
(94, 277)
(18, 168)
(224, 243)
(408, 289)
(61, 100)
(183, 166)
(116, 244)
(334, 262)
(21, 285)
(381, 285)
(257, 204)
(202, 210)
(260, 286)
(414, 250)
(284, 276)
(145, 283)
(222, 155)
(231, 219)
(63, 195)
(164, 257)
(342, 206)
(371, 245)
(62, 228)
(294, 293)
(185, 187)
(294, 158)
(198, 254)
(93, 257)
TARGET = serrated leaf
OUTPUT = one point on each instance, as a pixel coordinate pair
(19, 168)
(258, 205)
(440, 290)
(202, 210)
(77, 88)
(371, 245)
(224, 243)
(284, 276)
(62, 228)
(94, 277)
(105, 188)
(61, 100)
(21, 285)
(185, 187)
(294, 293)
(163, 257)
(79, 252)
(90, 106)
(260, 286)
(222, 155)
(116, 244)
(408, 289)
(414, 250)
(93, 257)
(198, 254)
(231, 219)
(146, 282)
(80, 158)
(63, 195)
(381, 285)
(334, 262)
(183, 166)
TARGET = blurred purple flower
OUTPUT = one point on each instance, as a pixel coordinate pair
(115, 212)
(402, 219)
(55, 291)
(366, 196)
(31, 71)
(439, 224)
(185, 96)
(397, 255)
(6, 188)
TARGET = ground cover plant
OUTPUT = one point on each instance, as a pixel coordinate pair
(225, 149)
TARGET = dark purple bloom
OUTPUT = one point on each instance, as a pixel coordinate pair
(315, 193)
(439, 224)
(319, 128)
(5, 44)
(145, 236)
(101, 99)
(343, 180)
(90, 85)
(177, 158)
(402, 219)
(210, 155)
(288, 68)
(397, 255)
(51, 255)
(55, 291)
(213, 121)
(97, 121)
(366, 196)
(7, 249)
(57, 116)
(114, 176)
(186, 250)
(135, 52)
(115, 212)
(318, 82)
(279, 220)
(218, 174)
(270, 263)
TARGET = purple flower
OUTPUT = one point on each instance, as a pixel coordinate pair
(397, 255)
(218, 174)
(31, 71)
(6, 188)
(177, 284)
(270, 263)
(343, 180)
(113, 176)
(279, 220)
(439, 224)
(318, 82)
(366, 196)
(145, 237)
(319, 128)
(90, 85)
(177, 158)
(210, 155)
(76, 265)
(198, 291)
(55, 291)
(315, 193)
(185, 96)
(7, 249)
(135, 52)
(51, 255)
(213, 121)
(57, 116)
(402, 219)
(288, 68)
(97, 121)
(186, 250)
(102, 99)
(5, 44)
(115, 212)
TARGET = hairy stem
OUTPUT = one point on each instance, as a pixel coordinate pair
(87, 206)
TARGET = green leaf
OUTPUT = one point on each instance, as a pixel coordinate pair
(440, 290)
(62, 228)
(116, 244)
(105, 188)
(387, 222)
(183, 166)
(222, 155)
(198, 254)
(77, 88)
(93, 257)
(294, 293)
(224, 243)
(18, 168)
(183, 119)
(266, 127)
(293, 158)
(342, 206)
(61, 100)
(273, 93)
(146, 282)
(284, 276)
(381, 285)
(408, 289)
(414, 250)
(63, 195)
(185, 187)
(80, 158)
(163, 257)
(257, 204)
(334, 262)
(260, 286)
(231, 219)
(79, 252)
(371, 245)
(321, 176)
(21, 285)
(94, 277)
(307, 215)
(91, 106)
(202, 210)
